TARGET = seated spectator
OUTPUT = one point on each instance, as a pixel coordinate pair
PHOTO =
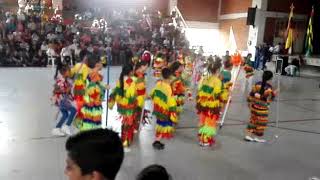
(94, 155)
(293, 69)
(154, 172)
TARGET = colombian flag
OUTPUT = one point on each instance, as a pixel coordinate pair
(309, 39)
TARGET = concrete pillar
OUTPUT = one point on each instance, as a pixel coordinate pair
(256, 34)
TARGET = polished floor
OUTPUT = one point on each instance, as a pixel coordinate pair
(29, 152)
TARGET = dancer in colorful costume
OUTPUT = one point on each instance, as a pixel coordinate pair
(139, 73)
(158, 64)
(63, 99)
(94, 95)
(210, 100)
(260, 97)
(125, 95)
(165, 109)
(248, 67)
(178, 84)
(80, 73)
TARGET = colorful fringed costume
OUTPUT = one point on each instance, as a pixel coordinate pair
(79, 73)
(127, 104)
(159, 63)
(179, 90)
(248, 68)
(141, 95)
(259, 106)
(92, 108)
(165, 109)
(210, 100)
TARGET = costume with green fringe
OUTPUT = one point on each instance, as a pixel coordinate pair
(179, 89)
(92, 108)
(127, 104)
(165, 109)
(259, 107)
(141, 95)
(210, 100)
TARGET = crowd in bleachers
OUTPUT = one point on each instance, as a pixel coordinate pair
(28, 40)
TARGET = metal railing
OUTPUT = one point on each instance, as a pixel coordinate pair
(180, 16)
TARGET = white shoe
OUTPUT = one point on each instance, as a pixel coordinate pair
(260, 140)
(66, 129)
(126, 149)
(249, 138)
(57, 132)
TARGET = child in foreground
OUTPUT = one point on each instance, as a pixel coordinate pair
(94, 155)
(260, 97)
(125, 96)
(164, 109)
(210, 100)
(63, 99)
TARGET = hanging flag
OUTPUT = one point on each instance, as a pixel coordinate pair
(309, 39)
(289, 41)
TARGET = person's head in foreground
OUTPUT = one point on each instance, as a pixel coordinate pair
(154, 172)
(94, 155)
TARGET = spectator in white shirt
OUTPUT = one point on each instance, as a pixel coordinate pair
(166, 42)
(66, 54)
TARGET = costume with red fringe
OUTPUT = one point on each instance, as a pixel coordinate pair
(165, 109)
(259, 107)
(80, 74)
(236, 59)
(179, 90)
(126, 107)
(92, 108)
(141, 95)
(210, 100)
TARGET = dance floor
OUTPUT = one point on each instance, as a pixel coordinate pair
(29, 152)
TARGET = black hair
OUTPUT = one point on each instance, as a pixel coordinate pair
(215, 66)
(153, 172)
(140, 64)
(166, 73)
(92, 60)
(227, 64)
(267, 75)
(61, 68)
(175, 66)
(126, 70)
(98, 150)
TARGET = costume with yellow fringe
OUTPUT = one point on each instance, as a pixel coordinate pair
(159, 63)
(248, 68)
(80, 74)
(210, 100)
(126, 107)
(92, 108)
(141, 95)
(259, 107)
(179, 89)
(165, 109)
